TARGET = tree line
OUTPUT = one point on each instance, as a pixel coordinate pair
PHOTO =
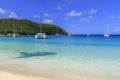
(27, 27)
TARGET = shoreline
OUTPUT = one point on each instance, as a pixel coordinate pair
(13, 71)
(15, 76)
(23, 69)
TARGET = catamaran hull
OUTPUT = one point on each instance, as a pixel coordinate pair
(106, 35)
(40, 36)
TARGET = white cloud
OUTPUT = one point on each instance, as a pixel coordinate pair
(43, 15)
(47, 15)
(88, 13)
(74, 13)
(113, 17)
(87, 18)
(2, 11)
(48, 21)
(36, 16)
(92, 11)
(90, 17)
(13, 15)
(8, 13)
(46, 18)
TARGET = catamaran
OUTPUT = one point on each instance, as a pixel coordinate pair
(41, 35)
(107, 32)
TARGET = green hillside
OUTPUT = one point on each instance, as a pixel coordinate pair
(27, 27)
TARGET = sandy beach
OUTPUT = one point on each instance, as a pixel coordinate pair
(23, 69)
(13, 72)
(10, 76)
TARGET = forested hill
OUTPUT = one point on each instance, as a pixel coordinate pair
(27, 27)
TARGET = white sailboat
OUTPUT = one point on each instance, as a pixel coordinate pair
(107, 32)
(40, 35)
(57, 32)
(87, 34)
(69, 34)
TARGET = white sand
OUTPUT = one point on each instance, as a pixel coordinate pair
(10, 76)
(22, 70)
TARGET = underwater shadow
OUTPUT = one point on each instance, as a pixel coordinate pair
(36, 54)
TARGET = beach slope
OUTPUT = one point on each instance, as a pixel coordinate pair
(10, 76)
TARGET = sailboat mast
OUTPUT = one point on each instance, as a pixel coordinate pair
(41, 23)
(108, 28)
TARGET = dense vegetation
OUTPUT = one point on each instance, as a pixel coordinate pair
(27, 27)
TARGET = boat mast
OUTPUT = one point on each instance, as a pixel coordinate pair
(108, 28)
(41, 23)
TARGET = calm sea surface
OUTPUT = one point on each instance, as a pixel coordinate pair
(70, 53)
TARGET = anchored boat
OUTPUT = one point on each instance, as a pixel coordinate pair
(41, 35)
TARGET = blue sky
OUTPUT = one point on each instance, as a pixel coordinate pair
(75, 16)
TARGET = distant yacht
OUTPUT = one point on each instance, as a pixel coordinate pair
(107, 32)
(41, 35)
(69, 34)
(87, 34)
(57, 32)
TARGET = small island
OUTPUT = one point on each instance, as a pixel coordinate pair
(28, 27)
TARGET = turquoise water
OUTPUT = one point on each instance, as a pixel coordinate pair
(68, 52)
(69, 47)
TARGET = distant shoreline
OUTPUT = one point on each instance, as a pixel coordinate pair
(64, 35)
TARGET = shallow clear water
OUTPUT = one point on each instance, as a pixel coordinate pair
(65, 51)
